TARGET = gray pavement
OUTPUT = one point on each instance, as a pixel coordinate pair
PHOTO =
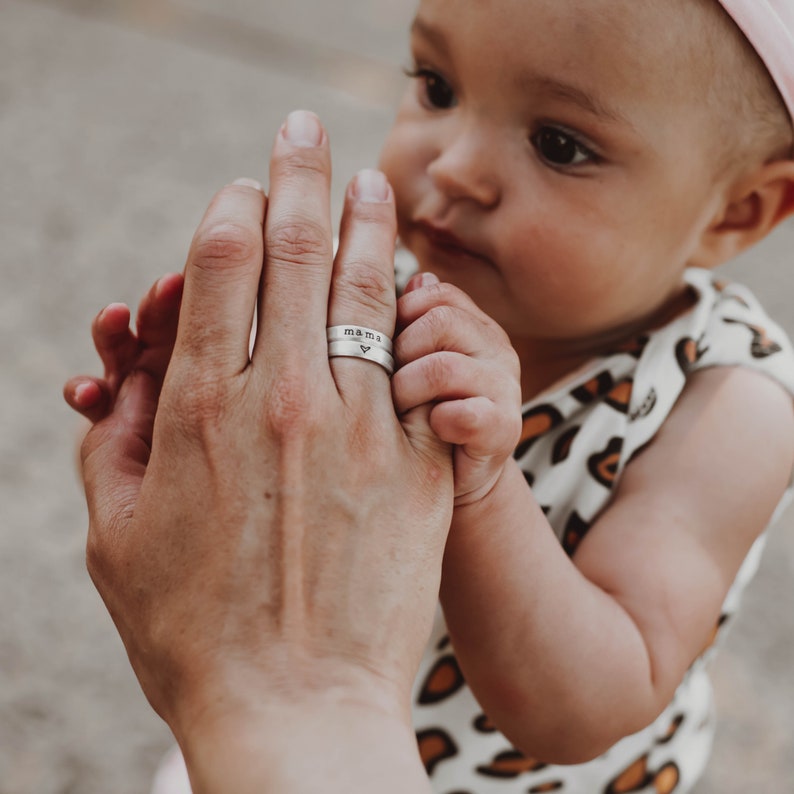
(118, 120)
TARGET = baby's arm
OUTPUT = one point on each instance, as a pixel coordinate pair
(455, 357)
(123, 351)
(567, 657)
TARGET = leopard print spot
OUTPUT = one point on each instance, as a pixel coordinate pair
(562, 447)
(537, 421)
(443, 681)
(675, 726)
(634, 347)
(761, 346)
(575, 529)
(619, 396)
(601, 384)
(688, 352)
(633, 778)
(435, 746)
(604, 465)
(715, 633)
(645, 407)
(510, 764)
(667, 779)
(484, 725)
(555, 785)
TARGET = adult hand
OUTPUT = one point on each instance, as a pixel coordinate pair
(269, 544)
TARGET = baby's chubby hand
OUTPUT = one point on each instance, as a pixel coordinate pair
(451, 353)
(124, 351)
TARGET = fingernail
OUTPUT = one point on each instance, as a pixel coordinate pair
(302, 128)
(110, 307)
(427, 279)
(371, 186)
(85, 394)
(165, 284)
(244, 181)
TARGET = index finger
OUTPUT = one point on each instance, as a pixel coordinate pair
(222, 274)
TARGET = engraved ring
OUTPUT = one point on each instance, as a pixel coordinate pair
(357, 341)
(358, 333)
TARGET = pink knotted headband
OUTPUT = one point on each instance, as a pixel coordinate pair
(769, 27)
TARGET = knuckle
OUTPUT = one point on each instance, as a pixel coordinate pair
(370, 286)
(514, 431)
(298, 164)
(103, 546)
(297, 239)
(94, 555)
(289, 409)
(226, 243)
(512, 362)
(195, 404)
(441, 368)
(440, 319)
(447, 294)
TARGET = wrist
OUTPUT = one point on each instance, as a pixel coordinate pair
(478, 525)
(483, 493)
(333, 741)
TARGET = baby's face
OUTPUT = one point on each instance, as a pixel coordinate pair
(551, 158)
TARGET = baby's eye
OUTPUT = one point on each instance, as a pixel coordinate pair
(560, 148)
(437, 92)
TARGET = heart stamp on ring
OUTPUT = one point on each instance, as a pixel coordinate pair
(375, 351)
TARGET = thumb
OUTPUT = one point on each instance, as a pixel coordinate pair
(115, 453)
(435, 454)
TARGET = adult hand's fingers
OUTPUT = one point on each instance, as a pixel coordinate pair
(221, 278)
(362, 290)
(298, 244)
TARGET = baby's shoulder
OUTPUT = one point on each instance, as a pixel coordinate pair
(729, 327)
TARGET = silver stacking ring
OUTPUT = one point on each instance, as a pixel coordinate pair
(355, 341)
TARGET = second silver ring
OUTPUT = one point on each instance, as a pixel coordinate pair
(348, 349)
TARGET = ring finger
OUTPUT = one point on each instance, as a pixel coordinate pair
(362, 291)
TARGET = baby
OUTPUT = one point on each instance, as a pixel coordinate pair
(567, 174)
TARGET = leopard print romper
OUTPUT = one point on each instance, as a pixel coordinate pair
(575, 444)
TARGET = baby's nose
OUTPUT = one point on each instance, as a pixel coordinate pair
(466, 169)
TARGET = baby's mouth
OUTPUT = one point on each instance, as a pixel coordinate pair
(447, 242)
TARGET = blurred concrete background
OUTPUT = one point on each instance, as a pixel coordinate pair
(118, 121)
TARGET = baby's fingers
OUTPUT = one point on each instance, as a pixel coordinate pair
(90, 397)
(483, 442)
(156, 324)
(449, 375)
(477, 424)
(114, 341)
(478, 403)
(150, 349)
(440, 376)
(158, 312)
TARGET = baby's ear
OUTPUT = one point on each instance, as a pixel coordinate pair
(754, 205)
